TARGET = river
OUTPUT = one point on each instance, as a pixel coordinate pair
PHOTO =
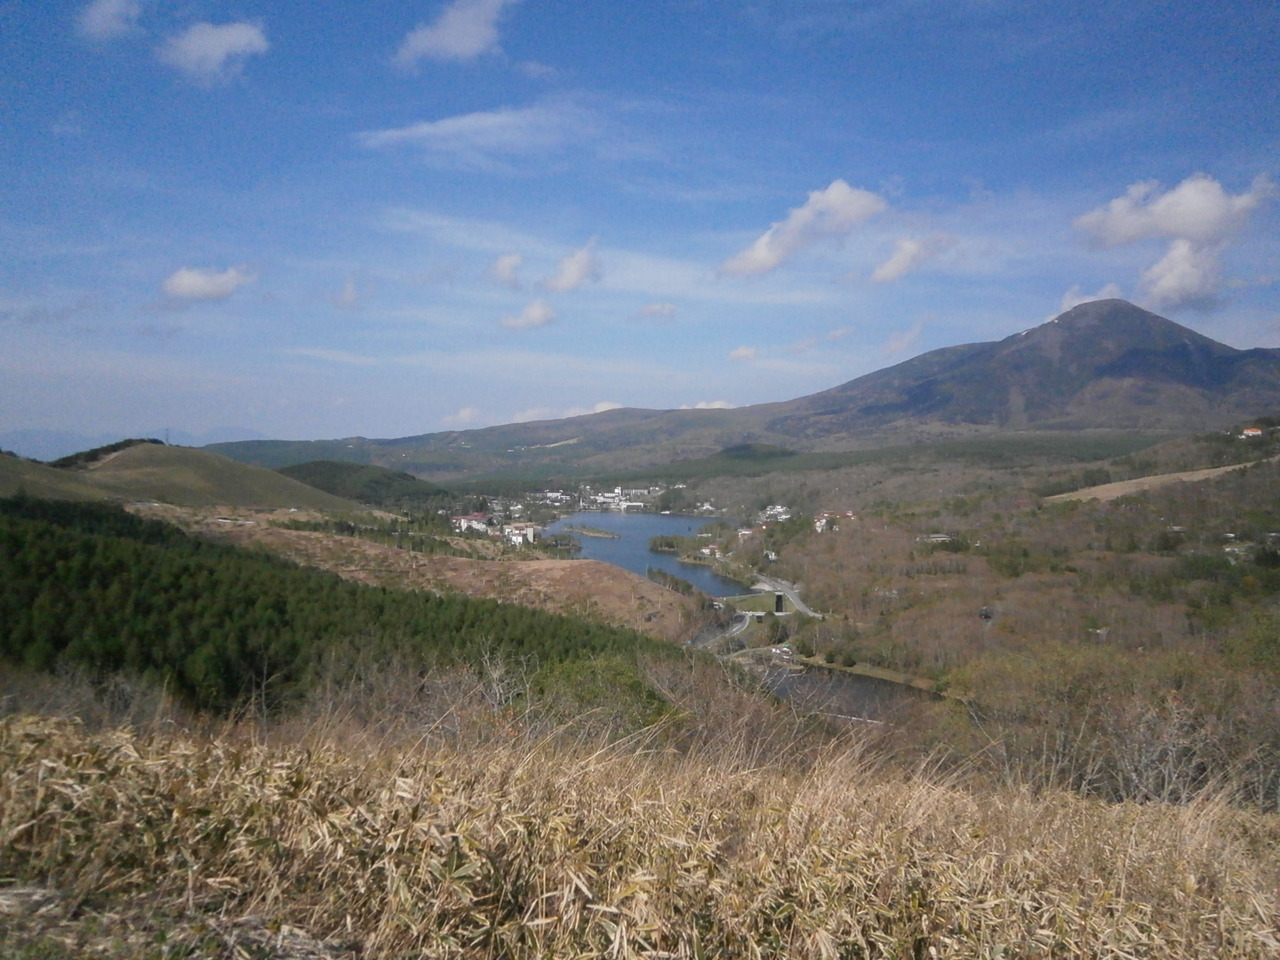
(631, 548)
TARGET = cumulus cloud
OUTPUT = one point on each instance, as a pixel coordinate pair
(109, 19)
(212, 53)
(464, 30)
(491, 140)
(1198, 217)
(827, 214)
(658, 311)
(600, 407)
(909, 254)
(189, 283)
(536, 314)
(505, 271)
(709, 405)
(576, 269)
(1187, 273)
(742, 353)
(1198, 209)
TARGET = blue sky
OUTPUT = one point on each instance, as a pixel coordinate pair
(324, 219)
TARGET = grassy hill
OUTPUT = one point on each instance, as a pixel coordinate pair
(40, 480)
(178, 475)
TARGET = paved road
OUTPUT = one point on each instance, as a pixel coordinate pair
(789, 591)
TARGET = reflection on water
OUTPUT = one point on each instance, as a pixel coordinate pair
(842, 694)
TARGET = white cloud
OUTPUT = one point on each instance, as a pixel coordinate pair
(709, 405)
(505, 271)
(491, 140)
(109, 19)
(1075, 296)
(463, 418)
(658, 311)
(909, 254)
(1187, 273)
(575, 270)
(189, 283)
(742, 353)
(601, 407)
(536, 314)
(1198, 217)
(464, 30)
(209, 53)
(1198, 209)
(827, 214)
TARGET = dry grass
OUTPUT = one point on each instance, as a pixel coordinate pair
(515, 845)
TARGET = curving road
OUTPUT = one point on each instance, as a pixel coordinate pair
(788, 590)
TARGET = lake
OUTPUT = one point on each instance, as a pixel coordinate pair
(631, 548)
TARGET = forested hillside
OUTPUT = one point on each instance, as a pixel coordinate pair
(94, 586)
(376, 486)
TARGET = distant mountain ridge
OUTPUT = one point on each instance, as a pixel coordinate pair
(1103, 365)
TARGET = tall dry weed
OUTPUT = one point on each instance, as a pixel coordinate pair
(542, 845)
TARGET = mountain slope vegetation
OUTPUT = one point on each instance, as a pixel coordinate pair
(93, 586)
(363, 483)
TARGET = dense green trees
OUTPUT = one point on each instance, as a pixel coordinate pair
(95, 586)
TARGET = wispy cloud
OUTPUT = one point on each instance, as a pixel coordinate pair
(1197, 216)
(827, 214)
(348, 298)
(333, 356)
(910, 253)
(464, 30)
(466, 417)
(189, 283)
(536, 314)
(1076, 296)
(211, 53)
(902, 340)
(742, 353)
(109, 19)
(576, 269)
(494, 140)
(505, 271)
(663, 310)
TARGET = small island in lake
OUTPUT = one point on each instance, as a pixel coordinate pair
(584, 531)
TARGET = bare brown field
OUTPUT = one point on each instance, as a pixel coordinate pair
(585, 588)
(1124, 488)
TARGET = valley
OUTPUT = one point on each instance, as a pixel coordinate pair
(1090, 615)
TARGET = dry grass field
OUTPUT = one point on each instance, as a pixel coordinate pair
(495, 838)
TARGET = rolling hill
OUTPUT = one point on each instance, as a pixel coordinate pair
(182, 476)
(1105, 365)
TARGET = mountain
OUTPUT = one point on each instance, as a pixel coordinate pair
(177, 475)
(1104, 365)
